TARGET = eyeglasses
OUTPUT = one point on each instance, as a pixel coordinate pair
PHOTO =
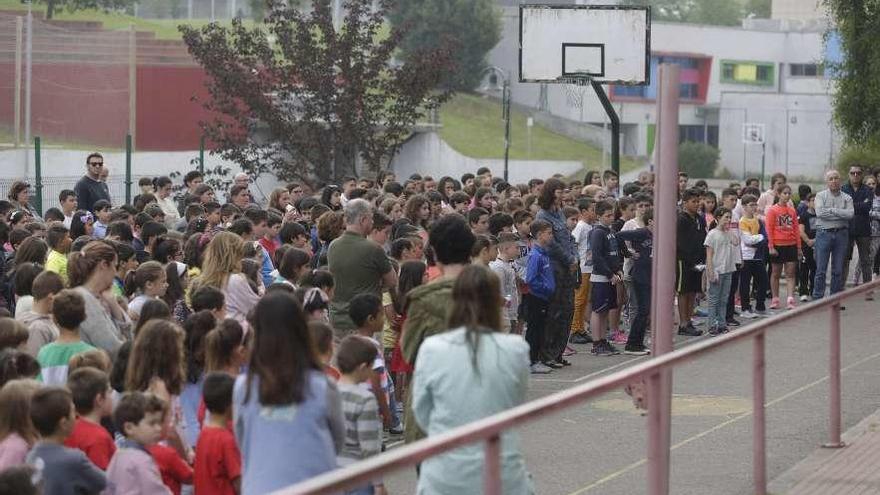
(96, 164)
(855, 172)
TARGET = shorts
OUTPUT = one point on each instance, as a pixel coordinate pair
(603, 297)
(785, 254)
(688, 280)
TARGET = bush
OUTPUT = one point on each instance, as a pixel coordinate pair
(866, 156)
(697, 159)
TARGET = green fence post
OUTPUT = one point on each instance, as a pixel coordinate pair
(202, 154)
(128, 169)
(38, 171)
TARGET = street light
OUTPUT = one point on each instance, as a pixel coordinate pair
(496, 73)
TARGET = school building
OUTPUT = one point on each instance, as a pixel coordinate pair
(768, 73)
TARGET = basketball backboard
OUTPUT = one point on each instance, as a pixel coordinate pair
(606, 43)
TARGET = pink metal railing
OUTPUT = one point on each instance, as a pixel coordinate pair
(489, 429)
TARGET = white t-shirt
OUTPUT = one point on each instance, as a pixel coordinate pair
(581, 234)
(723, 260)
(631, 224)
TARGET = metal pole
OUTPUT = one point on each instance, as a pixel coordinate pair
(505, 97)
(834, 441)
(132, 84)
(663, 276)
(615, 127)
(492, 469)
(763, 155)
(19, 27)
(38, 169)
(202, 154)
(787, 124)
(759, 435)
(128, 146)
(29, 72)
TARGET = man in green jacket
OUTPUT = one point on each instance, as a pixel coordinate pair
(428, 305)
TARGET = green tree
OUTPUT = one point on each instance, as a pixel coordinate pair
(857, 74)
(474, 26)
(296, 98)
(74, 5)
(697, 159)
(716, 12)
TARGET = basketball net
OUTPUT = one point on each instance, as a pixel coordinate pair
(575, 88)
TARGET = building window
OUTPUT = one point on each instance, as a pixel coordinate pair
(806, 70)
(630, 91)
(698, 134)
(756, 73)
(688, 91)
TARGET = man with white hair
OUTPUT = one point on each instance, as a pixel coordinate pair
(834, 209)
(358, 265)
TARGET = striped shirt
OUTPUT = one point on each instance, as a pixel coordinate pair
(363, 428)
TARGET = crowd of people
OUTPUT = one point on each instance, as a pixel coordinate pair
(180, 345)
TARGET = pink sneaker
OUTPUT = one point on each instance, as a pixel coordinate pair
(774, 303)
(619, 337)
(569, 351)
(789, 303)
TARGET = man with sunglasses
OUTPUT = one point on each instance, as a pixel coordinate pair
(90, 188)
(860, 224)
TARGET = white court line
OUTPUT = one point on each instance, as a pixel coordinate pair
(621, 472)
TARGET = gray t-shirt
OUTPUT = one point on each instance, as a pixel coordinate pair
(722, 244)
(65, 471)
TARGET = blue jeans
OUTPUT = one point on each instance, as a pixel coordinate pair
(718, 292)
(831, 243)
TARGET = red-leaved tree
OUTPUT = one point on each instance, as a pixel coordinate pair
(297, 98)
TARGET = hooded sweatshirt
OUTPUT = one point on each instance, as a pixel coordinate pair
(41, 330)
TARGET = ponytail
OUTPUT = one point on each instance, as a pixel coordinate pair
(221, 343)
(136, 280)
(81, 264)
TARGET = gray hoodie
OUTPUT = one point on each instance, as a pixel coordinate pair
(41, 330)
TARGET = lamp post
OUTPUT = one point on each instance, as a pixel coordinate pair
(492, 85)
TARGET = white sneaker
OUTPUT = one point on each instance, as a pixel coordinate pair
(748, 315)
(540, 369)
(805, 298)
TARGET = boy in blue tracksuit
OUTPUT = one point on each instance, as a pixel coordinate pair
(642, 241)
(539, 278)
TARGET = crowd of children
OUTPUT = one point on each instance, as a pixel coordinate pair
(161, 348)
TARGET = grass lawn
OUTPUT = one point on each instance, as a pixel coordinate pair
(472, 125)
(164, 28)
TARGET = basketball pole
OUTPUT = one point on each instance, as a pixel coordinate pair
(615, 127)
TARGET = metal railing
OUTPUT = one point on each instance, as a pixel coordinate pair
(489, 430)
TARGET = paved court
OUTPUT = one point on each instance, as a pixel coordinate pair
(600, 447)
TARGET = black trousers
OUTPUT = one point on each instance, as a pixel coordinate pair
(536, 319)
(753, 270)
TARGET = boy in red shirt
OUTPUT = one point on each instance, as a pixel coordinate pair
(218, 461)
(90, 388)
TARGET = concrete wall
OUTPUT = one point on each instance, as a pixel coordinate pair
(427, 153)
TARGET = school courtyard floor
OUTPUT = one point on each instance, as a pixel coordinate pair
(600, 448)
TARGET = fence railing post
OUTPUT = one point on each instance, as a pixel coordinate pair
(128, 169)
(834, 441)
(38, 173)
(759, 440)
(492, 466)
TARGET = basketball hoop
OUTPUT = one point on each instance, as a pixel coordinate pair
(575, 88)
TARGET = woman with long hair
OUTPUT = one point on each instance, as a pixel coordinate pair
(221, 268)
(331, 197)
(784, 243)
(418, 211)
(564, 261)
(473, 359)
(287, 415)
(279, 200)
(91, 272)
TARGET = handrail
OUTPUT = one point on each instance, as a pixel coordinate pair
(489, 429)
